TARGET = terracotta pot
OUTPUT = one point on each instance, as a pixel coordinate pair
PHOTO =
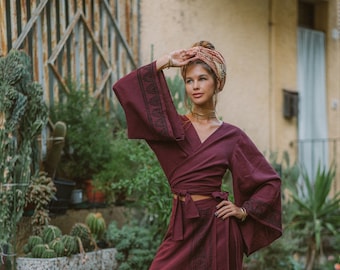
(93, 196)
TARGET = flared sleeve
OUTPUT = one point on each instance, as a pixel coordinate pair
(257, 187)
(148, 106)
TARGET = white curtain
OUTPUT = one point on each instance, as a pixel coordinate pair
(312, 119)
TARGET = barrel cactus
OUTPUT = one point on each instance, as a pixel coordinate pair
(50, 233)
(32, 241)
(38, 250)
(48, 253)
(71, 244)
(58, 246)
(84, 233)
(97, 224)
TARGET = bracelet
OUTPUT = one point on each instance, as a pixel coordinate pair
(168, 64)
(244, 211)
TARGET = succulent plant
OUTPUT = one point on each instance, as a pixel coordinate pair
(49, 253)
(58, 246)
(40, 192)
(83, 232)
(32, 241)
(50, 233)
(71, 244)
(97, 224)
(38, 250)
(23, 114)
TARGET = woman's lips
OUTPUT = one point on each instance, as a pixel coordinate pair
(198, 95)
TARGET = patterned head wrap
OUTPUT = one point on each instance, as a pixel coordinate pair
(215, 61)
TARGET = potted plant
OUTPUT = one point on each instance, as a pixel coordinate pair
(337, 264)
(89, 132)
(76, 250)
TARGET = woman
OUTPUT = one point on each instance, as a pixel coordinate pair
(206, 230)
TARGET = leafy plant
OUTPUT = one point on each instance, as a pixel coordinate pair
(151, 189)
(316, 214)
(116, 177)
(278, 255)
(135, 244)
(89, 130)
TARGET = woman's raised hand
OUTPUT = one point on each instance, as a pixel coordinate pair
(182, 57)
(176, 58)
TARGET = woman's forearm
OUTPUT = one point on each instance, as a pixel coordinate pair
(164, 61)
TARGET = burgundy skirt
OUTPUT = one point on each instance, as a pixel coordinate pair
(209, 243)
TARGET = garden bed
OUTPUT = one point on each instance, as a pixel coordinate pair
(103, 259)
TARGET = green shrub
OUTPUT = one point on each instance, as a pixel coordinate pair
(136, 245)
(89, 131)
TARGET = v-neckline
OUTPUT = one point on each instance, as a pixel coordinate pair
(197, 134)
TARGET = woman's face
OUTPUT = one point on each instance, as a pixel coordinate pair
(200, 86)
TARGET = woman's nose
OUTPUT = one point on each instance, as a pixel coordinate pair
(196, 85)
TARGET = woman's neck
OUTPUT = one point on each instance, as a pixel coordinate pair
(203, 114)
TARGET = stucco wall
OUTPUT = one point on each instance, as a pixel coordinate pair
(253, 36)
(333, 80)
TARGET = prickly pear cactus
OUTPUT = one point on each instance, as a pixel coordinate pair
(23, 113)
(83, 232)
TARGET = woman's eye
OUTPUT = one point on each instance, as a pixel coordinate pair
(188, 81)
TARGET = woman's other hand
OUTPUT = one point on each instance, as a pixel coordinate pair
(226, 209)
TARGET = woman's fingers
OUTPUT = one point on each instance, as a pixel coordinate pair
(227, 209)
(182, 57)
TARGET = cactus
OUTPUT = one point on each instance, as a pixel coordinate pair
(38, 250)
(32, 241)
(23, 113)
(49, 253)
(50, 233)
(55, 148)
(84, 233)
(39, 193)
(70, 244)
(58, 246)
(97, 224)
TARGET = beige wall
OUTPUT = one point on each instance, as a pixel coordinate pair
(258, 40)
(333, 79)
